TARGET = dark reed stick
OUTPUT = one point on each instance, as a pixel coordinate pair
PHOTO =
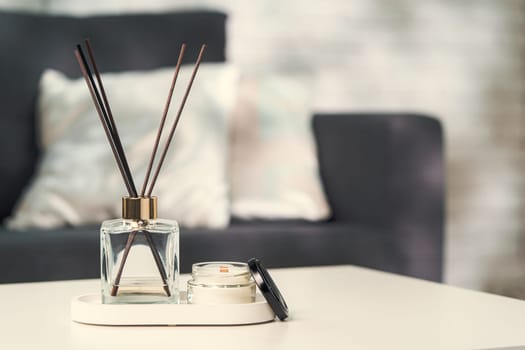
(131, 238)
(176, 121)
(118, 153)
(101, 113)
(111, 120)
(158, 262)
(163, 119)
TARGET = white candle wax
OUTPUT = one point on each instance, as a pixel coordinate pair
(221, 295)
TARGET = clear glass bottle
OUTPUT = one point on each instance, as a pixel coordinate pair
(139, 255)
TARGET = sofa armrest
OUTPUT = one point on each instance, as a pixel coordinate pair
(386, 170)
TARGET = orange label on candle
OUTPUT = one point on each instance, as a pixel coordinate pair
(223, 269)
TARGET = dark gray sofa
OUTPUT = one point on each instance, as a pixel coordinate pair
(382, 172)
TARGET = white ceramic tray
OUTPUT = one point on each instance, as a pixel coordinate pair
(89, 309)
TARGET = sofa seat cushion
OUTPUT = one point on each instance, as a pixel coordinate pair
(73, 253)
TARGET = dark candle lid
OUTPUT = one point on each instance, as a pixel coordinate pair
(268, 288)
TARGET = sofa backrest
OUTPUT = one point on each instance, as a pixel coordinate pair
(31, 43)
(375, 166)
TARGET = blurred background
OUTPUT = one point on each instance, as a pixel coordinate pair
(462, 62)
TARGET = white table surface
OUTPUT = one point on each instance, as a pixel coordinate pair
(338, 307)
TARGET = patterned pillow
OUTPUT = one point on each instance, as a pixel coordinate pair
(78, 180)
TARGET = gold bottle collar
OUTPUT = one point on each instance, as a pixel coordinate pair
(139, 208)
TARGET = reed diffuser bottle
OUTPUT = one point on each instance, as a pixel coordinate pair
(139, 255)
(139, 252)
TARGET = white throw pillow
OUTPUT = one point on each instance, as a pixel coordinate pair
(78, 181)
(275, 173)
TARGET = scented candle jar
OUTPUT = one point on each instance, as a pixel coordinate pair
(221, 283)
(139, 255)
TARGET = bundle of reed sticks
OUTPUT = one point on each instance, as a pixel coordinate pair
(98, 94)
